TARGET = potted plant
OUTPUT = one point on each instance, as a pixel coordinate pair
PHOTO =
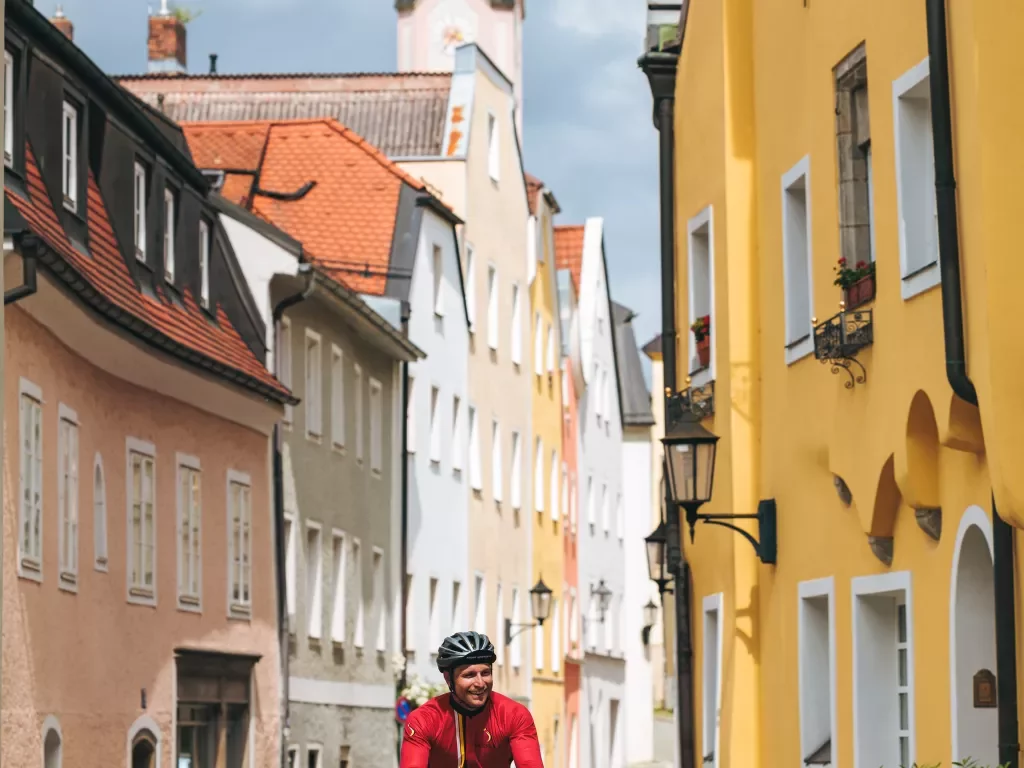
(702, 335)
(857, 282)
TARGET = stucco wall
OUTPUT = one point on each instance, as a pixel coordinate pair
(602, 741)
(85, 658)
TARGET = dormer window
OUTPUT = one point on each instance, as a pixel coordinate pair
(8, 109)
(169, 234)
(70, 156)
(140, 211)
(204, 263)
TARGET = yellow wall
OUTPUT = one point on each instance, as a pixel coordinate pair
(547, 702)
(788, 429)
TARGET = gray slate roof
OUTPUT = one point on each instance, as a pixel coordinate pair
(633, 393)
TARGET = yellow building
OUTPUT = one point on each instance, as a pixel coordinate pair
(550, 509)
(803, 135)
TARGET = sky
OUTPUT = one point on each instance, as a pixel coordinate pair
(587, 107)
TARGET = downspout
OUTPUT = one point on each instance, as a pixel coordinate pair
(956, 372)
(28, 282)
(280, 553)
(404, 530)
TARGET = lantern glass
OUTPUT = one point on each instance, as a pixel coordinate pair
(690, 454)
(662, 24)
(650, 613)
(656, 544)
(540, 601)
(604, 597)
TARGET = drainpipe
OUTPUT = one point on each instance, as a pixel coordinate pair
(280, 553)
(404, 544)
(28, 282)
(956, 372)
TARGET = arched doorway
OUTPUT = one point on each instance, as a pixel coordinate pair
(973, 639)
(144, 751)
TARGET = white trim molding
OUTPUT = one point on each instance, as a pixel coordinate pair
(896, 586)
(186, 602)
(704, 219)
(134, 445)
(303, 690)
(798, 347)
(144, 723)
(807, 590)
(712, 605)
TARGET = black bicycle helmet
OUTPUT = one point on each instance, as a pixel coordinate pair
(465, 648)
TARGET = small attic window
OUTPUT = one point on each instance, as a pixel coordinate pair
(216, 179)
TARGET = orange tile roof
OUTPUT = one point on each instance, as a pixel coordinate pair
(569, 250)
(347, 218)
(104, 271)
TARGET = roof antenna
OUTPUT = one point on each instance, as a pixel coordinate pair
(213, 63)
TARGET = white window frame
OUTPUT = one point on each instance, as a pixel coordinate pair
(896, 585)
(435, 424)
(376, 427)
(493, 148)
(606, 522)
(293, 756)
(480, 603)
(380, 614)
(8, 109)
(69, 156)
(704, 220)
(139, 593)
(139, 211)
(918, 279)
(538, 345)
(188, 601)
(591, 503)
(68, 505)
(433, 614)
(554, 489)
(291, 566)
(357, 371)
(470, 287)
(241, 608)
(410, 613)
(314, 581)
(493, 309)
(457, 442)
(457, 603)
(620, 518)
(516, 476)
(410, 416)
(169, 210)
(538, 474)
(437, 273)
(517, 326)
(359, 631)
(339, 587)
(556, 640)
(101, 554)
(338, 397)
(313, 375)
(284, 364)
(318, 750)
(499, 625)
(798, 344)
(476, 480)
(551, 350)
(497, 488)
(816, 589)
(712, 732)
(204, 263)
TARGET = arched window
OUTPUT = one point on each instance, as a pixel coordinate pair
(99, 520)
(53, 744)
(144, 750)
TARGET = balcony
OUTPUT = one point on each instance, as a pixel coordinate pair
(838, 340)
(700, 400)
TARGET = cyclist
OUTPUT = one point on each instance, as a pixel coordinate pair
(470, 727)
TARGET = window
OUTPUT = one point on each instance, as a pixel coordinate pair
(435, 619)
(574, 740)
(99, 523)
(435, 425)
(438, 273)
(556, 642)
(712, 677)
(538, 475)
(314, 756)
(701, 265)
(290, 566)
(456, 604)
(169, 234)
(565, 490)
(70, 156)
(140, 211)
(492, 308)
(313, 400)
(53, 744)
(620, 520)
(142, 521)
(293, 757)
(609, 625)
(8, 109)
(554, 486)
(817, 671)
(284, 363)
(339, 563)
(517, 326)
(516, 479)
(189, 527)
(376, 426)
(538, 648)
(357, 382)
(314, 579)
(337, 397)
(591, 507)
(551, 350)
(538, 345)
(67, 496)
(475, 473)
(240, 544)
(572, 504)
(456, 434)
(410, 614)
(493, 149)
(379, 611)
(204, 264)
(797, 259)
(883, 670)
(499, 625)
(359, 635)
(470, 287)
(410, 417)
(605, 511)
(517, 653)
(496, 466)
(915, 182)
(598, 394)
(480, 606)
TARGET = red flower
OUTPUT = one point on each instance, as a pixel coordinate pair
(861, 264)
(842, 261)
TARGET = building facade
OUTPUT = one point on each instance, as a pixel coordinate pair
(139, 598)
(873, 639)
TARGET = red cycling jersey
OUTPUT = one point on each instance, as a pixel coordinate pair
(437, 736)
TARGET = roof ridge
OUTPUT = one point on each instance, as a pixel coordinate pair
(374, 152)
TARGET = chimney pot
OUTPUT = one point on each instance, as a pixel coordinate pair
(167, 43)
(61, 22)
(213, 63)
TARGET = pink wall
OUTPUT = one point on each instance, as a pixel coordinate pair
(570, 448)
(85, 657)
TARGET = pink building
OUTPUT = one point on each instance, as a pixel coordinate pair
(140, 618)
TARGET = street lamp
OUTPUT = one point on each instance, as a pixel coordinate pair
(662, 24)
(540, 607)
(650, 616)
(604, 597)
(657, 543)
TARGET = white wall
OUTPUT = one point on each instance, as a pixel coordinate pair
(603, 682)
(437, 495)
(639, 699)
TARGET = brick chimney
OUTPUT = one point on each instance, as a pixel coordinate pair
(61, 22)
(166, 42)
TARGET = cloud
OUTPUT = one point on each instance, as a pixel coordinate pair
(600, 18)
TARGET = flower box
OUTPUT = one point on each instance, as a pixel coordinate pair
(860, 292)
(704, 352)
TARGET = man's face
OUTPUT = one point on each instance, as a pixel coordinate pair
(473, 684)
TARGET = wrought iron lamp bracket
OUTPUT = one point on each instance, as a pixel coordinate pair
(518, 629)
(766, 548)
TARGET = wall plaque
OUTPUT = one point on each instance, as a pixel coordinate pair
(984, 690)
